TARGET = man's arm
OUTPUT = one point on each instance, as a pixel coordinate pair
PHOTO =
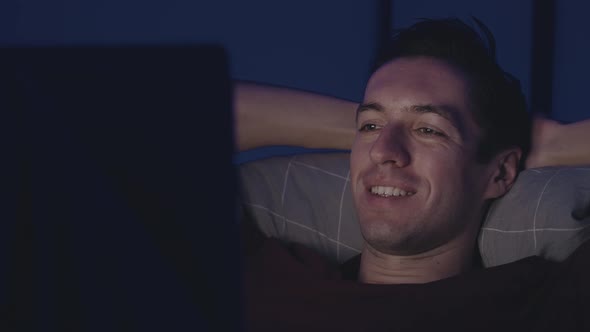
(268, 115)
(556, 144)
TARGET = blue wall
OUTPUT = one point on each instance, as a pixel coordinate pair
(572, 61)
(322, 46)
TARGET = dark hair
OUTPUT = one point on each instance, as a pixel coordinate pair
(498, 104)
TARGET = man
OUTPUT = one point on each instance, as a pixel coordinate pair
(442, 131)
(425, 129)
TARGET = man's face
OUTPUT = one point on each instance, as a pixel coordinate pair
(415, 180)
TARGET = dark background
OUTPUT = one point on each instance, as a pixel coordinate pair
(323, 46)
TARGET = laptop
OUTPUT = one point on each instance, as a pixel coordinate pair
(120, 199)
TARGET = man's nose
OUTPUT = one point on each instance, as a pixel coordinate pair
(391, 147)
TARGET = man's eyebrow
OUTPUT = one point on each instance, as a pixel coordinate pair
(369, 107)
(445, 111)
(448, 112)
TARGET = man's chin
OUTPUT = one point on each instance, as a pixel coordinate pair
(393, 237)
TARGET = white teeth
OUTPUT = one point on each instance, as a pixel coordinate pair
(390, 191)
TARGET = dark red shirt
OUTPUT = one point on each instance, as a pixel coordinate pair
(292, 288)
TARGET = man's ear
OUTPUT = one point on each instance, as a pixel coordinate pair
(504, 170)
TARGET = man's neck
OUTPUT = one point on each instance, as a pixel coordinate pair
(439, 263)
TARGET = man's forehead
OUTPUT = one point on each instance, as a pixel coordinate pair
(448, 112)
(417, 71)
(408, 83)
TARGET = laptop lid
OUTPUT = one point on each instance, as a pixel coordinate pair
(125, 212)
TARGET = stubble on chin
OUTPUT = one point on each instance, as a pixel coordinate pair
(390, 237)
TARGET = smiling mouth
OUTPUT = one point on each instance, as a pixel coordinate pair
(390, 191)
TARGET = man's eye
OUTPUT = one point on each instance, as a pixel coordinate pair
(430, 132)
(368, 127)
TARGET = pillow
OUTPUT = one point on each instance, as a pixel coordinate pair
(306, 199)
(546, 213)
